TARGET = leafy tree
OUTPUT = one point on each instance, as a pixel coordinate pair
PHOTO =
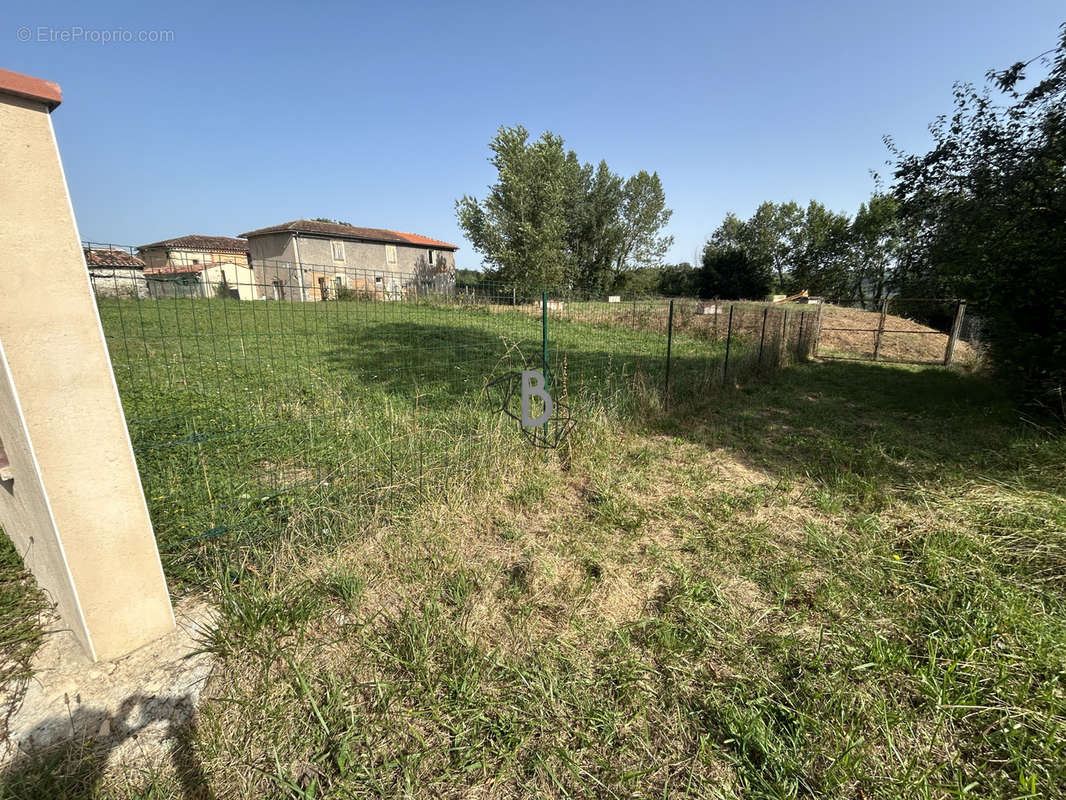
(222, 287)
(550, 220)
(767, 239)
(678, 280)
(521, 227)
(468, 276)
(643, 216)
(730, 274)
(332, 221)
(820, 253)
(639, 282)
(596, 232)
(986, 215)
(876, 238)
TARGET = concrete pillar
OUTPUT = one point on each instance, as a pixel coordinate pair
(71, 499)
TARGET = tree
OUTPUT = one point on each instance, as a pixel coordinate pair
(464, 276)
(521, 227)
(820, 254)
(550, 220)
(875, 244)
(643, 216)
(767, 239)
(596, 231)
(985, 211)
(678, 280)
(730, 274)
(332, 221)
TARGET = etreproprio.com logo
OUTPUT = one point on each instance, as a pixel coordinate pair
(47, 34)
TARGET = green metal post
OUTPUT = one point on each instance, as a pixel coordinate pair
(544, 334)
(544, 355)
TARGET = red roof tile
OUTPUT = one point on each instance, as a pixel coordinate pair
(414, 238)
(47, 92)
(111, 257)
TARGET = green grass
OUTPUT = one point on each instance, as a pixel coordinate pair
(846, 583)
(21, 606)
(253, 418)
(843, 582)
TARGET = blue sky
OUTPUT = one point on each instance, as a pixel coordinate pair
(380, 114)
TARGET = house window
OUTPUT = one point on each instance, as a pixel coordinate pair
(431, 258)
(390, 254)
(196, 261)
(338, 250)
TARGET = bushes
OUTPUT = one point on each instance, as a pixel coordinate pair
(985, 212)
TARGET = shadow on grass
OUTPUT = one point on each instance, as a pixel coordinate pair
(73, 755)
(447, 364)
(876, 424)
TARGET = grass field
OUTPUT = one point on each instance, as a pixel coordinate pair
(846, 581)
(249, 418)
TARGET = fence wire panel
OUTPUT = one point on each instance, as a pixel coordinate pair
(898, 330)
(271, 398)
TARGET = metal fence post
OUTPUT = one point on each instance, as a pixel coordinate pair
(544, 334)
(669, 346)
(880, 328)
(784, 333)
(956, 328)
(817, 330)
(762, 336)
(728, 343)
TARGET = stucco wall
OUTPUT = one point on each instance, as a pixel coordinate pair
(164, 257)
(94, 554)
(362, 260)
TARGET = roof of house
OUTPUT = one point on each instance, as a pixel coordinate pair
(111, 257)
(206, 244)
(351, 232)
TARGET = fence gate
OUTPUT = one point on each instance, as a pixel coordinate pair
(897, 330)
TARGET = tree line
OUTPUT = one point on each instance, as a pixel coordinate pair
(981, 215)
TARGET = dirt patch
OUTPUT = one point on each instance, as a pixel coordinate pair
(130, 709)
(916, 342)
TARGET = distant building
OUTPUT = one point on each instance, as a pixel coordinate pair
(309, 260)
(199, 266)
(192, 250)
(115, 272)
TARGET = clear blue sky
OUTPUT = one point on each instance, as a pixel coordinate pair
(380, 114)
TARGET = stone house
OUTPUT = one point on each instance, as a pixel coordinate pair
(311, 260)
(196, 266)
(115, 272)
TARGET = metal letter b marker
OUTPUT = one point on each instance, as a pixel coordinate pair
(533, 383)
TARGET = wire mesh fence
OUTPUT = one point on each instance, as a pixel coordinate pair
(261, 399)
(895, 329)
